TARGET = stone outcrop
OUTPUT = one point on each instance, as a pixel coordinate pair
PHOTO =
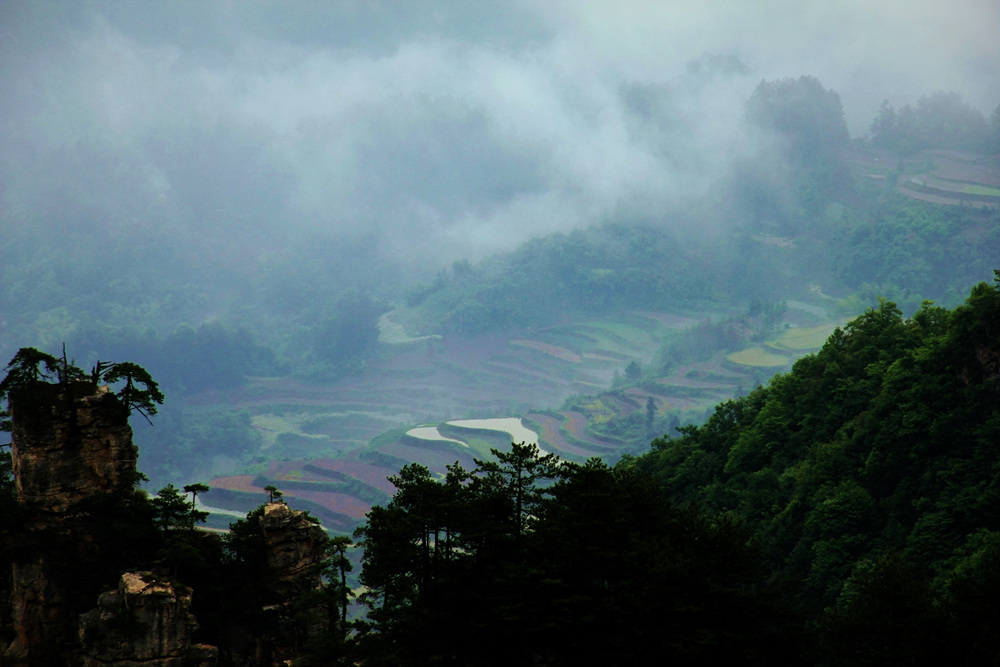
(73, 458)
(295, 547)
(38, 608)
(68, 442)
(146, 621)
(985, 367)
(989, 361)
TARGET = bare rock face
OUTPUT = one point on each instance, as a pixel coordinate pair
(72, 451)
(37, 610)
(295, 549)
(146, 621)
(68, 442)
(989, 361)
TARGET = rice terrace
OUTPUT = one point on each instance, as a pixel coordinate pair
(336, 461)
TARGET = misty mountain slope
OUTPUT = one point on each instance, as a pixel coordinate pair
(610, 267)
(867, 239)
(136, 235)
(902, 241)
(875, 243)
(237, 205)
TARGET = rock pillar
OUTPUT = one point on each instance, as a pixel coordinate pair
(146, 621)
(295, 548)
(68, 442)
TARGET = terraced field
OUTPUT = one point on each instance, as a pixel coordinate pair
(758, 357)
(803, 338)
(333, 447)
(940, 176)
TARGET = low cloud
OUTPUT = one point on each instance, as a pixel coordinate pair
(444, 130)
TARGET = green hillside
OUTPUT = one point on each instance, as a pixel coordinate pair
(869, 473)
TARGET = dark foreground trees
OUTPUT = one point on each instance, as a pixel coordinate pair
(528, 560)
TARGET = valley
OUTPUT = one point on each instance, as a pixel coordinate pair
(441, 400)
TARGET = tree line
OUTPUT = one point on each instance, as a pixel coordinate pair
(843, 514)
(531, 560)
(939, 120)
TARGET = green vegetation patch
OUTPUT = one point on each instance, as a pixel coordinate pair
(643, 321)
(332, 423)
(804, 338)
(394, 333)
(629, 333)
(481, 440)
(566, 337)
(757, 356)
(553, 350)
(383, 460)
(619, 339)
(392, 435)
(980, 190)
(289, 439)
(270, 426)
(597, 409)
(305, 433)
(664, 387)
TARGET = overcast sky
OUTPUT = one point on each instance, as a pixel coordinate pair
(445, 128)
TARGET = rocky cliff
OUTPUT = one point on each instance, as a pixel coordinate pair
(146, 621)
(68, 443)
(295, 547)
(71, 444)
(86, 528)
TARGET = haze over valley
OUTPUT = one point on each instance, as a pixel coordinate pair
(320, 227)
(499, 333)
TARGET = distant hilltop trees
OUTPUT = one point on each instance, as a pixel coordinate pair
(939, 120)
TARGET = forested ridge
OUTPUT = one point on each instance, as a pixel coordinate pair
(869, 475)
(843, 513)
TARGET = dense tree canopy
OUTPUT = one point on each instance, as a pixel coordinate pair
(939, 120)
(527, 558)
(873, 460)
(805, 112)
(859, 489)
